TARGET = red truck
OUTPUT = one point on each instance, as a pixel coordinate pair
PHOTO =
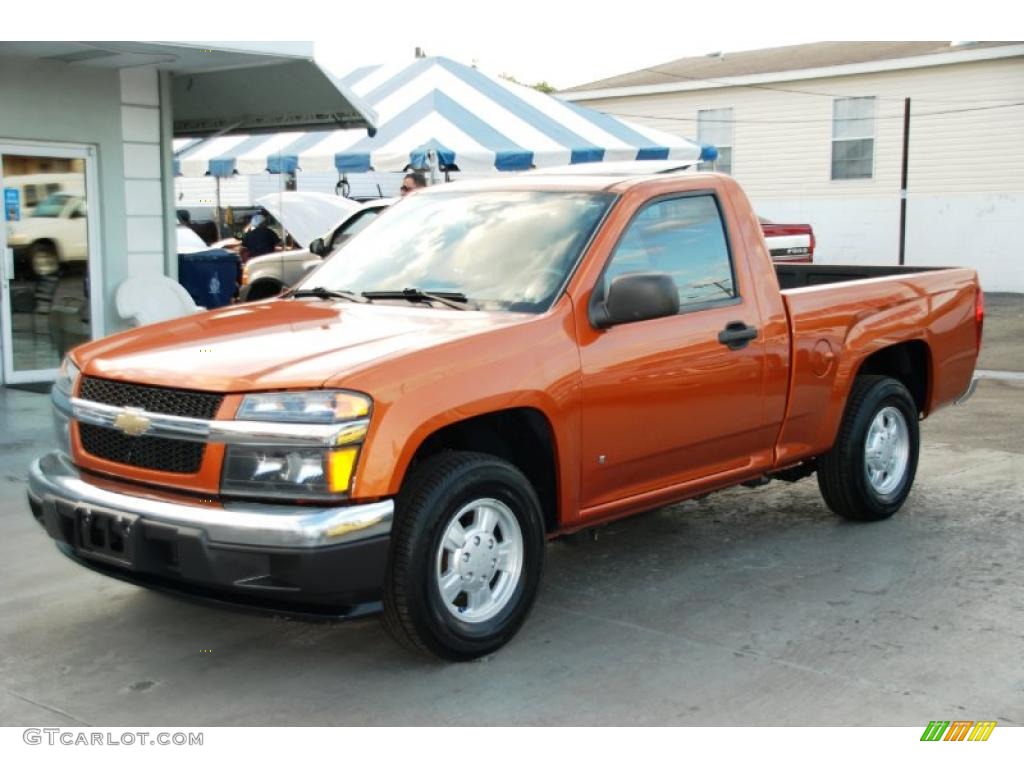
(506, 362)
(789, 243)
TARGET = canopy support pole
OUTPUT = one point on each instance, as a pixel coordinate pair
(218, 216)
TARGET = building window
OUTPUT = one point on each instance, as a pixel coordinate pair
(853, 138)
(714, 126)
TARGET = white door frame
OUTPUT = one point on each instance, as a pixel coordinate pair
(94, 265)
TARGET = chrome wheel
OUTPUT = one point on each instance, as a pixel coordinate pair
(479, 560)
(44, 261)
(887, 450)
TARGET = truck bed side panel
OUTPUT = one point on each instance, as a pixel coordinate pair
(835, 327)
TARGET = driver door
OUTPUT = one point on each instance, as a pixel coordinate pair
(665, 402)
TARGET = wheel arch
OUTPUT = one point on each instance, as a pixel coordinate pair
(909, 362)
(523, 436)
(54, 244)
(258, 284)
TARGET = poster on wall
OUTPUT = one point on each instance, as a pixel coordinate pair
(12, 204)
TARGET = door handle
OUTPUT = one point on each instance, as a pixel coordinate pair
(737, 335)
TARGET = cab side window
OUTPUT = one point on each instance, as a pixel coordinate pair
(683, 237)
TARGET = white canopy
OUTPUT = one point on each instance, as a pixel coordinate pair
(468, 120)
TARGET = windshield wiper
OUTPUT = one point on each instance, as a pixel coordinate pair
(325, 293)
(448, 298)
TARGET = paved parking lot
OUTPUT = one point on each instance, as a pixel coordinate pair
(749, 607)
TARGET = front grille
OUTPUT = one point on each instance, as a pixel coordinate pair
(175, 402)
(157, 453)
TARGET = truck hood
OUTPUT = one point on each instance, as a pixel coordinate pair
(277, 344)
(308, 215)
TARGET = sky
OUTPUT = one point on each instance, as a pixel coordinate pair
(565, 42)
(569, 43)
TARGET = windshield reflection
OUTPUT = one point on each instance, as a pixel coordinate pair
(504, 249)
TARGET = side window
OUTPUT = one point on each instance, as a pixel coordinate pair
(683, 237)
(353, 226)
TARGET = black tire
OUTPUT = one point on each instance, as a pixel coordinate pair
(43, 260)
(843, 476)
(415, 613)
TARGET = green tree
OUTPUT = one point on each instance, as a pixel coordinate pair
(543, 86)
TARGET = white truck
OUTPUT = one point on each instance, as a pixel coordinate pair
(54, 235)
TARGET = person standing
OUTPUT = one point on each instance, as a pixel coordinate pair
(260, 239)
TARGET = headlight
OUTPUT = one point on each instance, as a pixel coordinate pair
(299, 472)
(329, 406)
(67, 377)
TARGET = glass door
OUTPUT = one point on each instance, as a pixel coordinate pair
(48, 242)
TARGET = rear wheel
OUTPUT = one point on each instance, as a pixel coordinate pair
(869, 471)
(466, 557)
(43, 259)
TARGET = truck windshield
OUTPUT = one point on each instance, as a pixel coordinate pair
(503, 249)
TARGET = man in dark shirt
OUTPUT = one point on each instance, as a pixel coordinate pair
(260, 239)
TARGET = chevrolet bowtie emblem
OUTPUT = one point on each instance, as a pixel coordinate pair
(132, 421)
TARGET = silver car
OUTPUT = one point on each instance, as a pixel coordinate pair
(268, 275)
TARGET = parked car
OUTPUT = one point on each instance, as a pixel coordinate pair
(789, 243)
(505, 362)
(266, 276)
(53, 236)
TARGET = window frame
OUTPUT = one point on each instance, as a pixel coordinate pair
(873, 137)
(600, 288)
(731, 145)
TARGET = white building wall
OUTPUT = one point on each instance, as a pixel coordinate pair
(143, 189)
(966, 162)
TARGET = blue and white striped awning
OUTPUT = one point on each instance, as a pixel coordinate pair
(472, 121)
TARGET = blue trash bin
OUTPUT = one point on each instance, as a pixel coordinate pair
(210, 277)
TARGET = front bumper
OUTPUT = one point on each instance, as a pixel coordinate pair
(322, 561)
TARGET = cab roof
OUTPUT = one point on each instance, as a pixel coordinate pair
(617, 182)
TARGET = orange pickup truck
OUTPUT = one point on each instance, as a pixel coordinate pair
(502, 363)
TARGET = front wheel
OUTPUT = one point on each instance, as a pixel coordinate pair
(43, 260)
(869, 471)
(466, 556)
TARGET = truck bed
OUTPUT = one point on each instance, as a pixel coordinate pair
(838, 316)
(803, 275)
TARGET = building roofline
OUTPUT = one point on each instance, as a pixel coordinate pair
(841, 70)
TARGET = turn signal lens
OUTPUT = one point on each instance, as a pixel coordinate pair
(340, 464)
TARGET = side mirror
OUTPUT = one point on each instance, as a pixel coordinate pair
(318, 247)
(635, 297)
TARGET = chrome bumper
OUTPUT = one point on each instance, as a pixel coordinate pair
(53, 478)
(966, 395)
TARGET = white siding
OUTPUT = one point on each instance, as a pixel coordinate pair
(965, 174)
(140, 129)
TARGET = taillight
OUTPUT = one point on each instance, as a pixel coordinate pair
(979, 315)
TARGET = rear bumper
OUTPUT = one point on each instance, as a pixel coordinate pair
(967, 393)
(309, 561)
